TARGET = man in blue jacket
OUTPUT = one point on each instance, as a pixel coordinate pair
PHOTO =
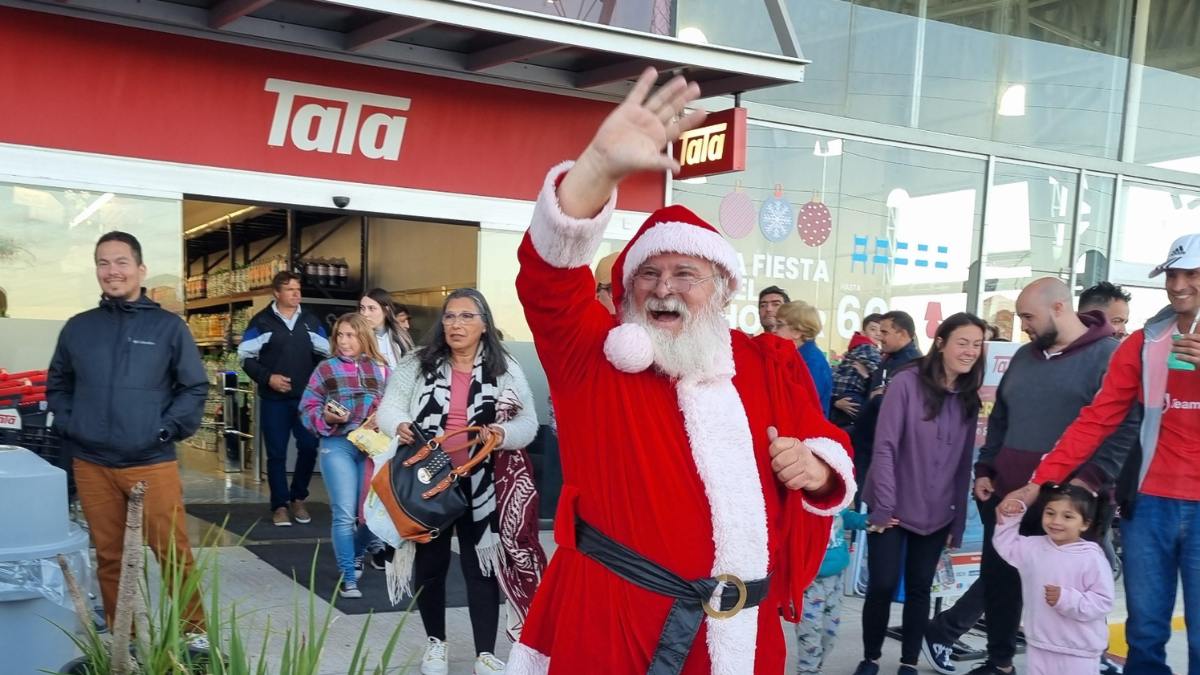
(125, 383)
(282, 345)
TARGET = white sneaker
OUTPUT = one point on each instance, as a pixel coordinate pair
(488, 664)
(435, 662)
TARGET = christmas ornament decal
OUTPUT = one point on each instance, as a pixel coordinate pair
(776, 217)
(737, 213)
(815, 222)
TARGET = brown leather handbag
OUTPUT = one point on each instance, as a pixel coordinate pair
(415, 485)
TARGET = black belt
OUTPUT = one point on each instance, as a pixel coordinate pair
(692, 598)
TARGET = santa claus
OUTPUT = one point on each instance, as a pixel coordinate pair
(699, 473)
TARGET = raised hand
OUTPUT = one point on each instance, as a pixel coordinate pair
(633, 138)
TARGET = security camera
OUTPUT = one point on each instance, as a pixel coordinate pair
(341, 202)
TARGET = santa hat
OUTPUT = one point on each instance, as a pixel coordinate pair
(672, 229)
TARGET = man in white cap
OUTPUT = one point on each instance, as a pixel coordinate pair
(699, 472)
(1160, 491)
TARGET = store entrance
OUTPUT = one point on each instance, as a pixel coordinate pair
(231, 253)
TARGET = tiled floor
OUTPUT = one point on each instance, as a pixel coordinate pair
(258, 593)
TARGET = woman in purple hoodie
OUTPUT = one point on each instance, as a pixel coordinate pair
(916, 489)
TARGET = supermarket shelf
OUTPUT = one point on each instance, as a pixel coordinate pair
(349, 298)
(217, 342)
(248, 296)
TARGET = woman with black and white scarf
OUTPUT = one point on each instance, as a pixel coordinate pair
(462, 377)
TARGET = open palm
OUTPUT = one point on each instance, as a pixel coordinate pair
(635, 135)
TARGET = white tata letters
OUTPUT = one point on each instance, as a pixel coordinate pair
(316, 127)
(704, 144)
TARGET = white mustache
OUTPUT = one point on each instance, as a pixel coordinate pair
(668, 304)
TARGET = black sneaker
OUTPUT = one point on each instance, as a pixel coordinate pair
(379, 559)
(358, 568)
(867, 668)
(986, 668)
(906, 669)
(938, 655)
(1110, 667)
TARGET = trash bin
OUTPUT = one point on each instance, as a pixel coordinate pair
(35, 606)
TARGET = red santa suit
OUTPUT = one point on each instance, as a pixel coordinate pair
(676, 470)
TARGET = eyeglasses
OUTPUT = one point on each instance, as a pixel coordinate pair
(649, 280)
(464, 317)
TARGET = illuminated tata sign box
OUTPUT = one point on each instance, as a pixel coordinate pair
(717, 147)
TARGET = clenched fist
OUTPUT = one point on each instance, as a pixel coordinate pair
(1053, 594)
(795, 465)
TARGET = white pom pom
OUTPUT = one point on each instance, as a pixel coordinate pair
(629, 348)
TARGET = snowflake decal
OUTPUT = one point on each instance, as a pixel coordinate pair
(775, 219)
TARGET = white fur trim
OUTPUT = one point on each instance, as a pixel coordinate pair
(525, 660)
(629, 348)
(561, 240)
(833, 454)
(723, 449)
(685, 239)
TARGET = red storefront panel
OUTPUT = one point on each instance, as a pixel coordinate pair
(97, 87)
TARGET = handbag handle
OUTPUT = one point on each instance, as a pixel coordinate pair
(460, 471)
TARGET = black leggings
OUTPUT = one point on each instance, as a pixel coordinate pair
(884, 557)
(430, 567)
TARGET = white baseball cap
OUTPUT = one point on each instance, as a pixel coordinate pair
(1184, 255)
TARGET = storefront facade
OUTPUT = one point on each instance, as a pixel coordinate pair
(939, 154)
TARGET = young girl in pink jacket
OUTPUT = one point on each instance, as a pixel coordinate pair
(1066, 582)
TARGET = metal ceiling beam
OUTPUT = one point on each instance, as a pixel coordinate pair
(227, 11)
(508, 52)
(730, 85)
(387, 28)
(616, 72)
(781, 21)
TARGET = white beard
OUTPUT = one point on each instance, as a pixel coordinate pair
(702, 349)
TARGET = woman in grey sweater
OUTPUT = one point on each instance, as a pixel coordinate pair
(916, 489)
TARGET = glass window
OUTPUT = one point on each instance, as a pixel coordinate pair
(1048, 75)
(850, 226)
(1095, 216)
(47, 270)
(1167, 133)
(1027, 236)
(48, 238)
(1149, 218)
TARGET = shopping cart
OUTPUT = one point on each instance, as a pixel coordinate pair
(26, 421)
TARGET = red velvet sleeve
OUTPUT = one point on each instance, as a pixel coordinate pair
(796, 412)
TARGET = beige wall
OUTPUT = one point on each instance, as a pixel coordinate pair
(407, 255)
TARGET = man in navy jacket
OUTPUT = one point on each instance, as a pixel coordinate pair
(124, 384)
(282, 345)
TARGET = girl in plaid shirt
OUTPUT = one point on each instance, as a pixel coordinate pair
(354, 377)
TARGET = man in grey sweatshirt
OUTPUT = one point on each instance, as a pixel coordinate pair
(1048, 382)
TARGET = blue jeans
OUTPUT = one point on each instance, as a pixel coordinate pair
(280, 420)
(342, 467)
(1161, 542)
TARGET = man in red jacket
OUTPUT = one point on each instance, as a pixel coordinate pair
(1160, 503)
(700, 473)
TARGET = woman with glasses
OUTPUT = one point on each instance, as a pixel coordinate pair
(462, 376)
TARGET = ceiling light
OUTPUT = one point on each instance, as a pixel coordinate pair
(1012, 103)
(693, 35)
(91, 209)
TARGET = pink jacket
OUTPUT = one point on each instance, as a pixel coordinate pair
(1076, 624)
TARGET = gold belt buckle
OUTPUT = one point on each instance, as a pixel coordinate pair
(737, 607)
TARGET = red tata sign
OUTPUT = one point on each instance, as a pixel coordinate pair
(717, 147)
(89, 86)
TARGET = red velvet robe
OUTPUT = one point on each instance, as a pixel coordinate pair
(630, 469)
